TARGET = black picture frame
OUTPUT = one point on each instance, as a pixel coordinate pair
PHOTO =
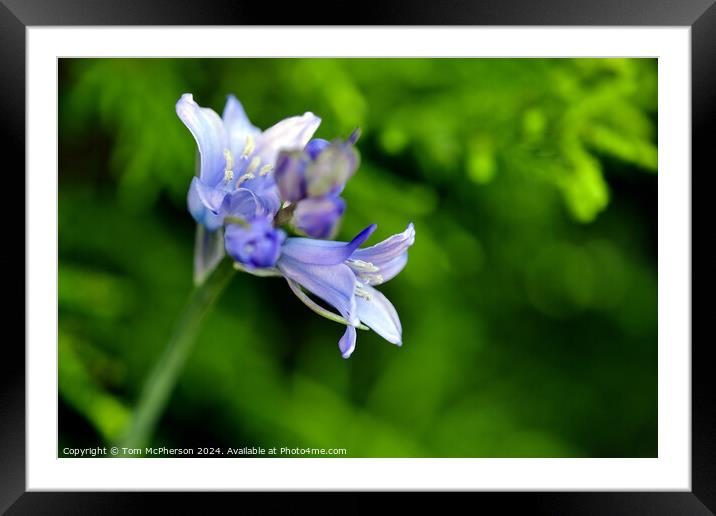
(17, 15)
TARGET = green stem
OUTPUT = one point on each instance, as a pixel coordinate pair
(160, 383)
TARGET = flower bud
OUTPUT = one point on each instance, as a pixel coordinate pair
(255, 245)
(290, 175)
(332, 168)
(321, 169)
(318, 218)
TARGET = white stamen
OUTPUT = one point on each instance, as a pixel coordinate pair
(228, 171)
(371, 279)
(362, 292)
(245, 178)
(250, 145)
(361, 266)
(229, 159)
(253, 165)
(265, 170)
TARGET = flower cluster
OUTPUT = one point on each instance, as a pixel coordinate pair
(252, 183)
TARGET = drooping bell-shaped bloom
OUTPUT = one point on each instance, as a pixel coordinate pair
(345, 276)
(312, 180)
(235, 156)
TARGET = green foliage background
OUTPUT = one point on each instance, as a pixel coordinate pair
(529, 303)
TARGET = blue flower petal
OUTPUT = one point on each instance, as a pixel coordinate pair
(324, 252)
(241, 203)
(348, 342)
(208, 252)
(210, 135)
(370, 274)
(315, 146)
(211, 196)
(267, 193)
(289, 134)
(238, 125)
(382, 253)
(198, 208)
(335, 284)
(379, 315)
(391, 269)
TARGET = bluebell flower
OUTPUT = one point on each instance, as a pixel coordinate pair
(345, 276)
(237, 159)
(235, 176)
(250, 182)
(312, 179)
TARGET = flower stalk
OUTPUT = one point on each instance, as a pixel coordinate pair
(161, 381)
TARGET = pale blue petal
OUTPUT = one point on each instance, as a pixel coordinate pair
(267, 193)
(241, 203)
(238, 125)
(382, 253)
(270, 200)
(324, 252)
(392, 268)
(210, 135)
(208, 252)
(348, 342)
(211, 196)
(199, 210)
(335, 284)
(372, 275)
(290, 134)
(379, 315)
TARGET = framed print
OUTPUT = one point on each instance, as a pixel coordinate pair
(439, 251)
